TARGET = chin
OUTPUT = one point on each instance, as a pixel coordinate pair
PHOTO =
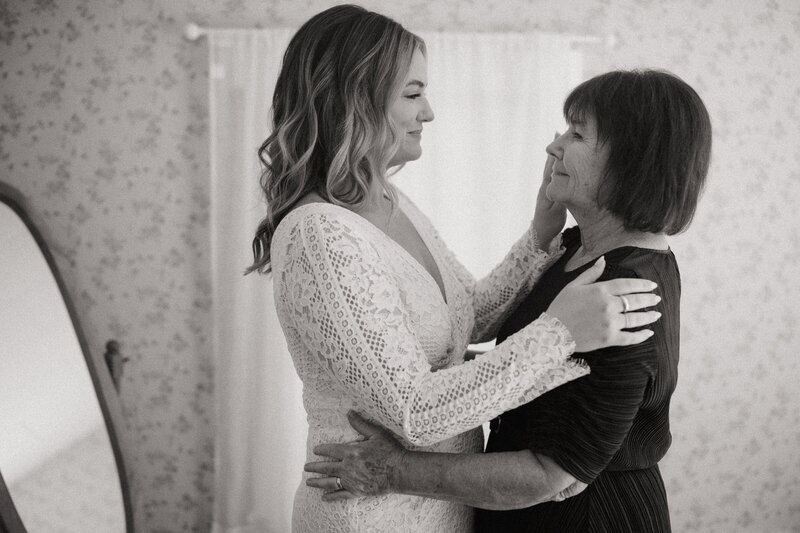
(405, 157)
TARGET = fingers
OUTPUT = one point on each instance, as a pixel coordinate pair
(638, 301)
(338, 495)
(360, 424)
(327, 483)
(336, 451)
(331, 492)
(627, 338)
(637, 320)
(328, 468)
(548, 168)
(628, 285)
(592, 273)
(331, 489)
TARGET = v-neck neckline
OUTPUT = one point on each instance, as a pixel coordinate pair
(442, 291)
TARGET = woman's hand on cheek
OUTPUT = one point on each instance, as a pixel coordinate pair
(365, 467)
(550, 217)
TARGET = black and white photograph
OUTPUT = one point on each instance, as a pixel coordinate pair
(278, 266)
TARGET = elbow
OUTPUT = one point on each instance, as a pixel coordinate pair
(536, 480)
(512, 495)
(516, 497)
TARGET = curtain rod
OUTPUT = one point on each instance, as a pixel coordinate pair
(194, 32)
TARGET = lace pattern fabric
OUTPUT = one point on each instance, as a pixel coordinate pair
(368, 330)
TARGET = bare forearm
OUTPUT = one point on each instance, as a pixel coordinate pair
(509, 480)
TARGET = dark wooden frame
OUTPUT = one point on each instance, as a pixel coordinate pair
(101, 378)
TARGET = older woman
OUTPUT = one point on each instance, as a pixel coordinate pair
(630, 169)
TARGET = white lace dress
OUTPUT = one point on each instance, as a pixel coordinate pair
(369, 330)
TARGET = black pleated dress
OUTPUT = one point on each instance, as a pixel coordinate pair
(608, 429)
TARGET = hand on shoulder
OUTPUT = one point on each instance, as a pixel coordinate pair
(596, 313)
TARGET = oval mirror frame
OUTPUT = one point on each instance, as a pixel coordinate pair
(104, 387)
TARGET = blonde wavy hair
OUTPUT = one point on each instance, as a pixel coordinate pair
(331, 130)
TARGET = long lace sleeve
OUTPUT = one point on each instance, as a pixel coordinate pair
(496, 295)
(348, 310)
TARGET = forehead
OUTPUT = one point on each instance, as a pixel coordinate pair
(418, 70)
(582, 119)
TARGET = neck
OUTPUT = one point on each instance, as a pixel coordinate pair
(376, 207)
(603, 231)
(376, 196)
(598, 231)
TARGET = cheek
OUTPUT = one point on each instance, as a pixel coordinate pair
(407, 119)
(581, 170)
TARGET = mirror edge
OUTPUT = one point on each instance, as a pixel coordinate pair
(10, 522)
(104, 388)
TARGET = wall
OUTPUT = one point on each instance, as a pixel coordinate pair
(103, 124)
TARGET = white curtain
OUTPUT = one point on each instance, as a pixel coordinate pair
(259, 420)
(497, 99)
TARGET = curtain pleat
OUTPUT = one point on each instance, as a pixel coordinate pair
(259, 420)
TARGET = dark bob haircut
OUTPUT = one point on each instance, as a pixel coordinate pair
(658, 135)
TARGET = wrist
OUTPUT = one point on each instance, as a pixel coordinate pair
(544, 236)
(555, 324)
(400, 465)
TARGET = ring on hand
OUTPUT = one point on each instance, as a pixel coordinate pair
(626, 320)
(339, 484)
(625, 304)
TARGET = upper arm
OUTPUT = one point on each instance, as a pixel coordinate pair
(582, 425)
(532, 478)
(503, 481)
(350, 314)
(558, 479)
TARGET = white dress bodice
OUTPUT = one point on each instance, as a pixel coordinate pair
(368, 329)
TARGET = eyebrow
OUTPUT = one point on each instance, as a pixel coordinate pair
(415, 82)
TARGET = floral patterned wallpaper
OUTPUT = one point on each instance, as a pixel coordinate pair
(103, 126)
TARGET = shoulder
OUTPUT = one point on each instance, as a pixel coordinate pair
(659, 266)
(318, 217)
(660, 350)
(321, 228)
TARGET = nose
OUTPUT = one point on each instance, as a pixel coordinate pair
(554, 148)
(426, 113)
